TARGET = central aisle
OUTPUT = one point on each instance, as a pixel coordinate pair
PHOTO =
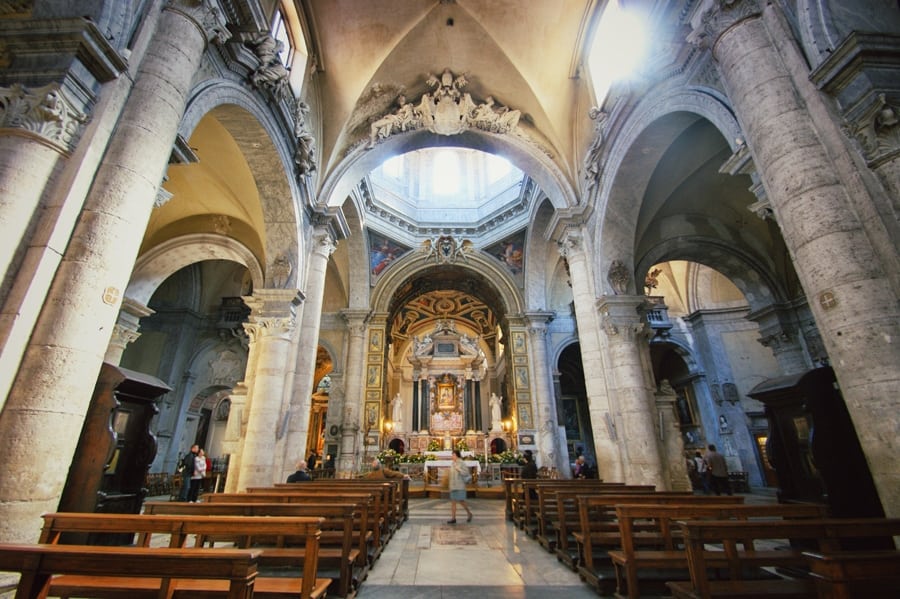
(488, 558)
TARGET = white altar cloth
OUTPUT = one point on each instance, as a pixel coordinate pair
(447, 463)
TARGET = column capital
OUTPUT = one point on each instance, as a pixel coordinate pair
(621, 316)
(356, 320)
(46, 113)
(538, 322)
(206, 15)
(323, 243)
(272, 312)
(571, 244)
(718, 17)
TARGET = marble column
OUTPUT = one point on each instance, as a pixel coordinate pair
(825, 217)
(55, 380)
(272, 322)
(351, 444)
(545, 420)
(308, 344)
(624, 335)
(609, 458)
(414, 427)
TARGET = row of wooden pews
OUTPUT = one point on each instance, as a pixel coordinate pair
(631, 540)
(287, 541)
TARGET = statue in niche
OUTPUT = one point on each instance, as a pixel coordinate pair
(496, 404)
(306, 143)
(397, 411)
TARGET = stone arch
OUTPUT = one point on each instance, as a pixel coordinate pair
(526, 156)
(156, 265)
(269, 156)
(748, 274)
(481, 265)
(656, 121)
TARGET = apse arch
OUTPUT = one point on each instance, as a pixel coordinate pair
(656, 120)
(481, 266)
(163, 260)
(269, 156)
(525, 155)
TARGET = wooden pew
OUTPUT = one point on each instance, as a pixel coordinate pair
(599, 531)
(740, 561)
(372, 542)
(140, 572)
(665, 550)
(845, 574)
(304, 530)
(341, 544)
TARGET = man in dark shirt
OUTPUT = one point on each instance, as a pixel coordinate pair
(302, 474)
(529, 468)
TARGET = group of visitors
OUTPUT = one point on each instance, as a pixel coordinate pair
(712, 471)
(193, 468)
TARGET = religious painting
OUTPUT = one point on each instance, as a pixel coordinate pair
(525, 420)
(518, 342)
(373, 375)
(511, 252)
(521, 377)
(383, 252)
(373, 409)
(375, 340)
(446, 396)
(526, 439)
(372, 439)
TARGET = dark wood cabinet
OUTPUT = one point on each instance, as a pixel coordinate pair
(813, 445)
(116, 446)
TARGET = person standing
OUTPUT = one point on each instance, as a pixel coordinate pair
(186, 468)
(312, 460)
(197, 477)
(702, 470)
(718, 471)
(529, 468)
(457, 479)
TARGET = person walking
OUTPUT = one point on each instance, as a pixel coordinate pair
(718, 471)
(458, 477)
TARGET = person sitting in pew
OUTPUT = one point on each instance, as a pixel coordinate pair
(301, 475)
(379, 471)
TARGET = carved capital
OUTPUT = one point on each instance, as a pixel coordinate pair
(44, 111)
(270, 326)
(571, 246)
(877, 130)
(206, 15)
(719, 17)
(356, 321)
(323, 244)
(162, 197)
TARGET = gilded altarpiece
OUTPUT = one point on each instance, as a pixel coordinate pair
(521, 405)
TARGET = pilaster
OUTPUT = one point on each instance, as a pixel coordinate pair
(351, 418)
(546, 421)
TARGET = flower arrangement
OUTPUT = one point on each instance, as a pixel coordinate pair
(434, 445)
(461, 445)
(387, 456)
(415, 458)
(506, 457)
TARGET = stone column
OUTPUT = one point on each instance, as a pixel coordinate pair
(308, 342)
(234, 432)
(351, 418)
(826, 218)
(545, 420)
(272, 322)
(669, 430)
(624, 334)
(54, 384)
(609, 458)
(126, 329)
(414, 426)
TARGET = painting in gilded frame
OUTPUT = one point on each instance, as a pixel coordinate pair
(525, 420)
(372, 413)
(373, 375)
(518, 342)
(521, 377)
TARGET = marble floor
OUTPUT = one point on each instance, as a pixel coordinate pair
(488, 558)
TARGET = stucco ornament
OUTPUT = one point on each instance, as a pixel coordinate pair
(271, 75)
(618, 277)
(446, 249)
(306, 143)
(445, 110)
